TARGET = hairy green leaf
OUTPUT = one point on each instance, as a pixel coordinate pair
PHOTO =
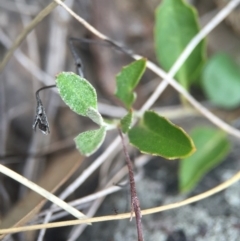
(95, 116)
(128, 79)
(156, 135)
(76, 92)
(176, 24)
(212, 146)
(221, 81)
(126, 122)
(88, 142)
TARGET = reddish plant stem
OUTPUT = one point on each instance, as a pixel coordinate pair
(135, 204)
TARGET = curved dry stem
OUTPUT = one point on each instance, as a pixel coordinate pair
(8, 172)
(185, 202)
(82, 21)
(25, 32)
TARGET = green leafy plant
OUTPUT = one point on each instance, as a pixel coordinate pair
(128, 79)
(221, 84)
(221, 81)
(212, 146)
(176, 24)
(88, 142)
(81, 97)
(76, 92)
(154, 134)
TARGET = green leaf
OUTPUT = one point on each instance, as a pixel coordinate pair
(88, 142)
(156, 135)
(76, 92)
(176, 24)
(128, 79)
(221, 81)
(95, 116)
(126, 122)
(212, 146)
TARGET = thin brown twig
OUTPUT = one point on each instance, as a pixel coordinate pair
(135, 204)
(41, 191)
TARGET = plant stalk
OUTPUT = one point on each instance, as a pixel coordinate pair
(135, 204)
